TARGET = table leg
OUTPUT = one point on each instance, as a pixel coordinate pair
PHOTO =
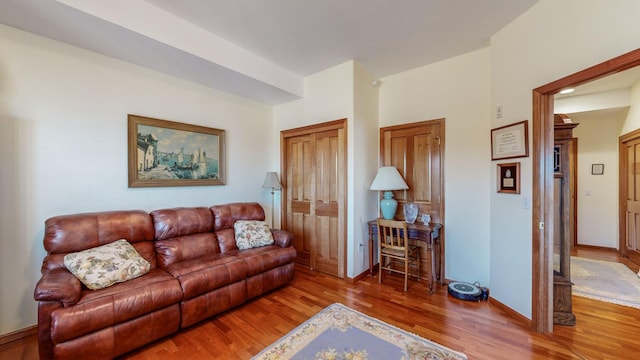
(438, 254)
(370, 254)
(430, 263)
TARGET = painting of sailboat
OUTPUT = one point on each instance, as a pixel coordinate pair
(166, 153)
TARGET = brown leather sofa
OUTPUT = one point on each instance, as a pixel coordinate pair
(196, 272)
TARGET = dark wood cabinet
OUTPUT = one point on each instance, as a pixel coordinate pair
(565, 157)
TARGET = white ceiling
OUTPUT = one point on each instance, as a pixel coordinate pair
(603, 98)
(621, 80)
(263, 49)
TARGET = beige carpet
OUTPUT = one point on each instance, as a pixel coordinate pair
(606, 281)
(341, 333)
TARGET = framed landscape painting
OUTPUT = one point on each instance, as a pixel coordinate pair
(169, 153)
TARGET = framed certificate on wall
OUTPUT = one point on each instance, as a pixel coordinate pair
(510, 141)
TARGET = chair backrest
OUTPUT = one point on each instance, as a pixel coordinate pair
(392, 234)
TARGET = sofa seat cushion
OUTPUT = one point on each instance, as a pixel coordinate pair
(98, 309)
(207, 273)
(265, 258)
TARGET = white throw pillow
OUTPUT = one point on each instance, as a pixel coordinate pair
(105, 265)
(252, 233)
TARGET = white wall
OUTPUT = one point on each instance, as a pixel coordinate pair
(364, 166)
(456, 89)
(63, 114)
(632, 122)
(597, 195)
(546, 43)
(328, 96)
(344, 91)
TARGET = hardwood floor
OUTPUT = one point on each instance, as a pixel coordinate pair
(479, 329)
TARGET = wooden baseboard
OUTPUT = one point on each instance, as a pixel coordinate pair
(18, 335)
(359, 277)
(595, 247)
(512, 313)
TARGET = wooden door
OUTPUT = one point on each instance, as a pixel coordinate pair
(299, 175)
(315, 172)
(416, 151)
(630, 196)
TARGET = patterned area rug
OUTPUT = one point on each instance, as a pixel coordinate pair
(338, 332)
(606, 281)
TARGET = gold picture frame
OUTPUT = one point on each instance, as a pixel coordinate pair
(509, 178)
(168, 153)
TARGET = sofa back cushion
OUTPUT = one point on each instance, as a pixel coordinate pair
(72, 233)
(226, 215)
(183, 234)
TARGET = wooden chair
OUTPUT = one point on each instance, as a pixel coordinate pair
(393, 247)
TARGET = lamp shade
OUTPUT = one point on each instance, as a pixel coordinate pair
(388, 178)
(271, 181)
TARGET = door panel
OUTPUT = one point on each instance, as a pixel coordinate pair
(631, 206)
(314, 164)
(398, 143)
(422, 184)
(325, 254)
(299, 195)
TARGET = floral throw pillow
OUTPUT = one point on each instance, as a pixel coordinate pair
(251, 233)
(105, 265)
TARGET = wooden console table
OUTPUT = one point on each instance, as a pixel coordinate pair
(420, 232)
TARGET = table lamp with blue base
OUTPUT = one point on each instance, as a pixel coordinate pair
(387, 179)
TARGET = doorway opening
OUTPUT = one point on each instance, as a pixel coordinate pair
(543, 165)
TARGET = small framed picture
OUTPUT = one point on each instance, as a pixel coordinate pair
(509, 178)
(597, 169)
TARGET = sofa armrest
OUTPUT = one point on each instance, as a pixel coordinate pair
(282, 237)
(58, 285)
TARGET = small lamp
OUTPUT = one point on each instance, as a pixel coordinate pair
(272, 182)
(388, 178)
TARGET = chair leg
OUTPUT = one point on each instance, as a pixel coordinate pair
(379, 269)
(406, 273)
(418, 263)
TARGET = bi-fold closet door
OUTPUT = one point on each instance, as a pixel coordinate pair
(315, 175)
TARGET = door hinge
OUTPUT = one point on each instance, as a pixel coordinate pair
(438, 139)
(541, 225)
